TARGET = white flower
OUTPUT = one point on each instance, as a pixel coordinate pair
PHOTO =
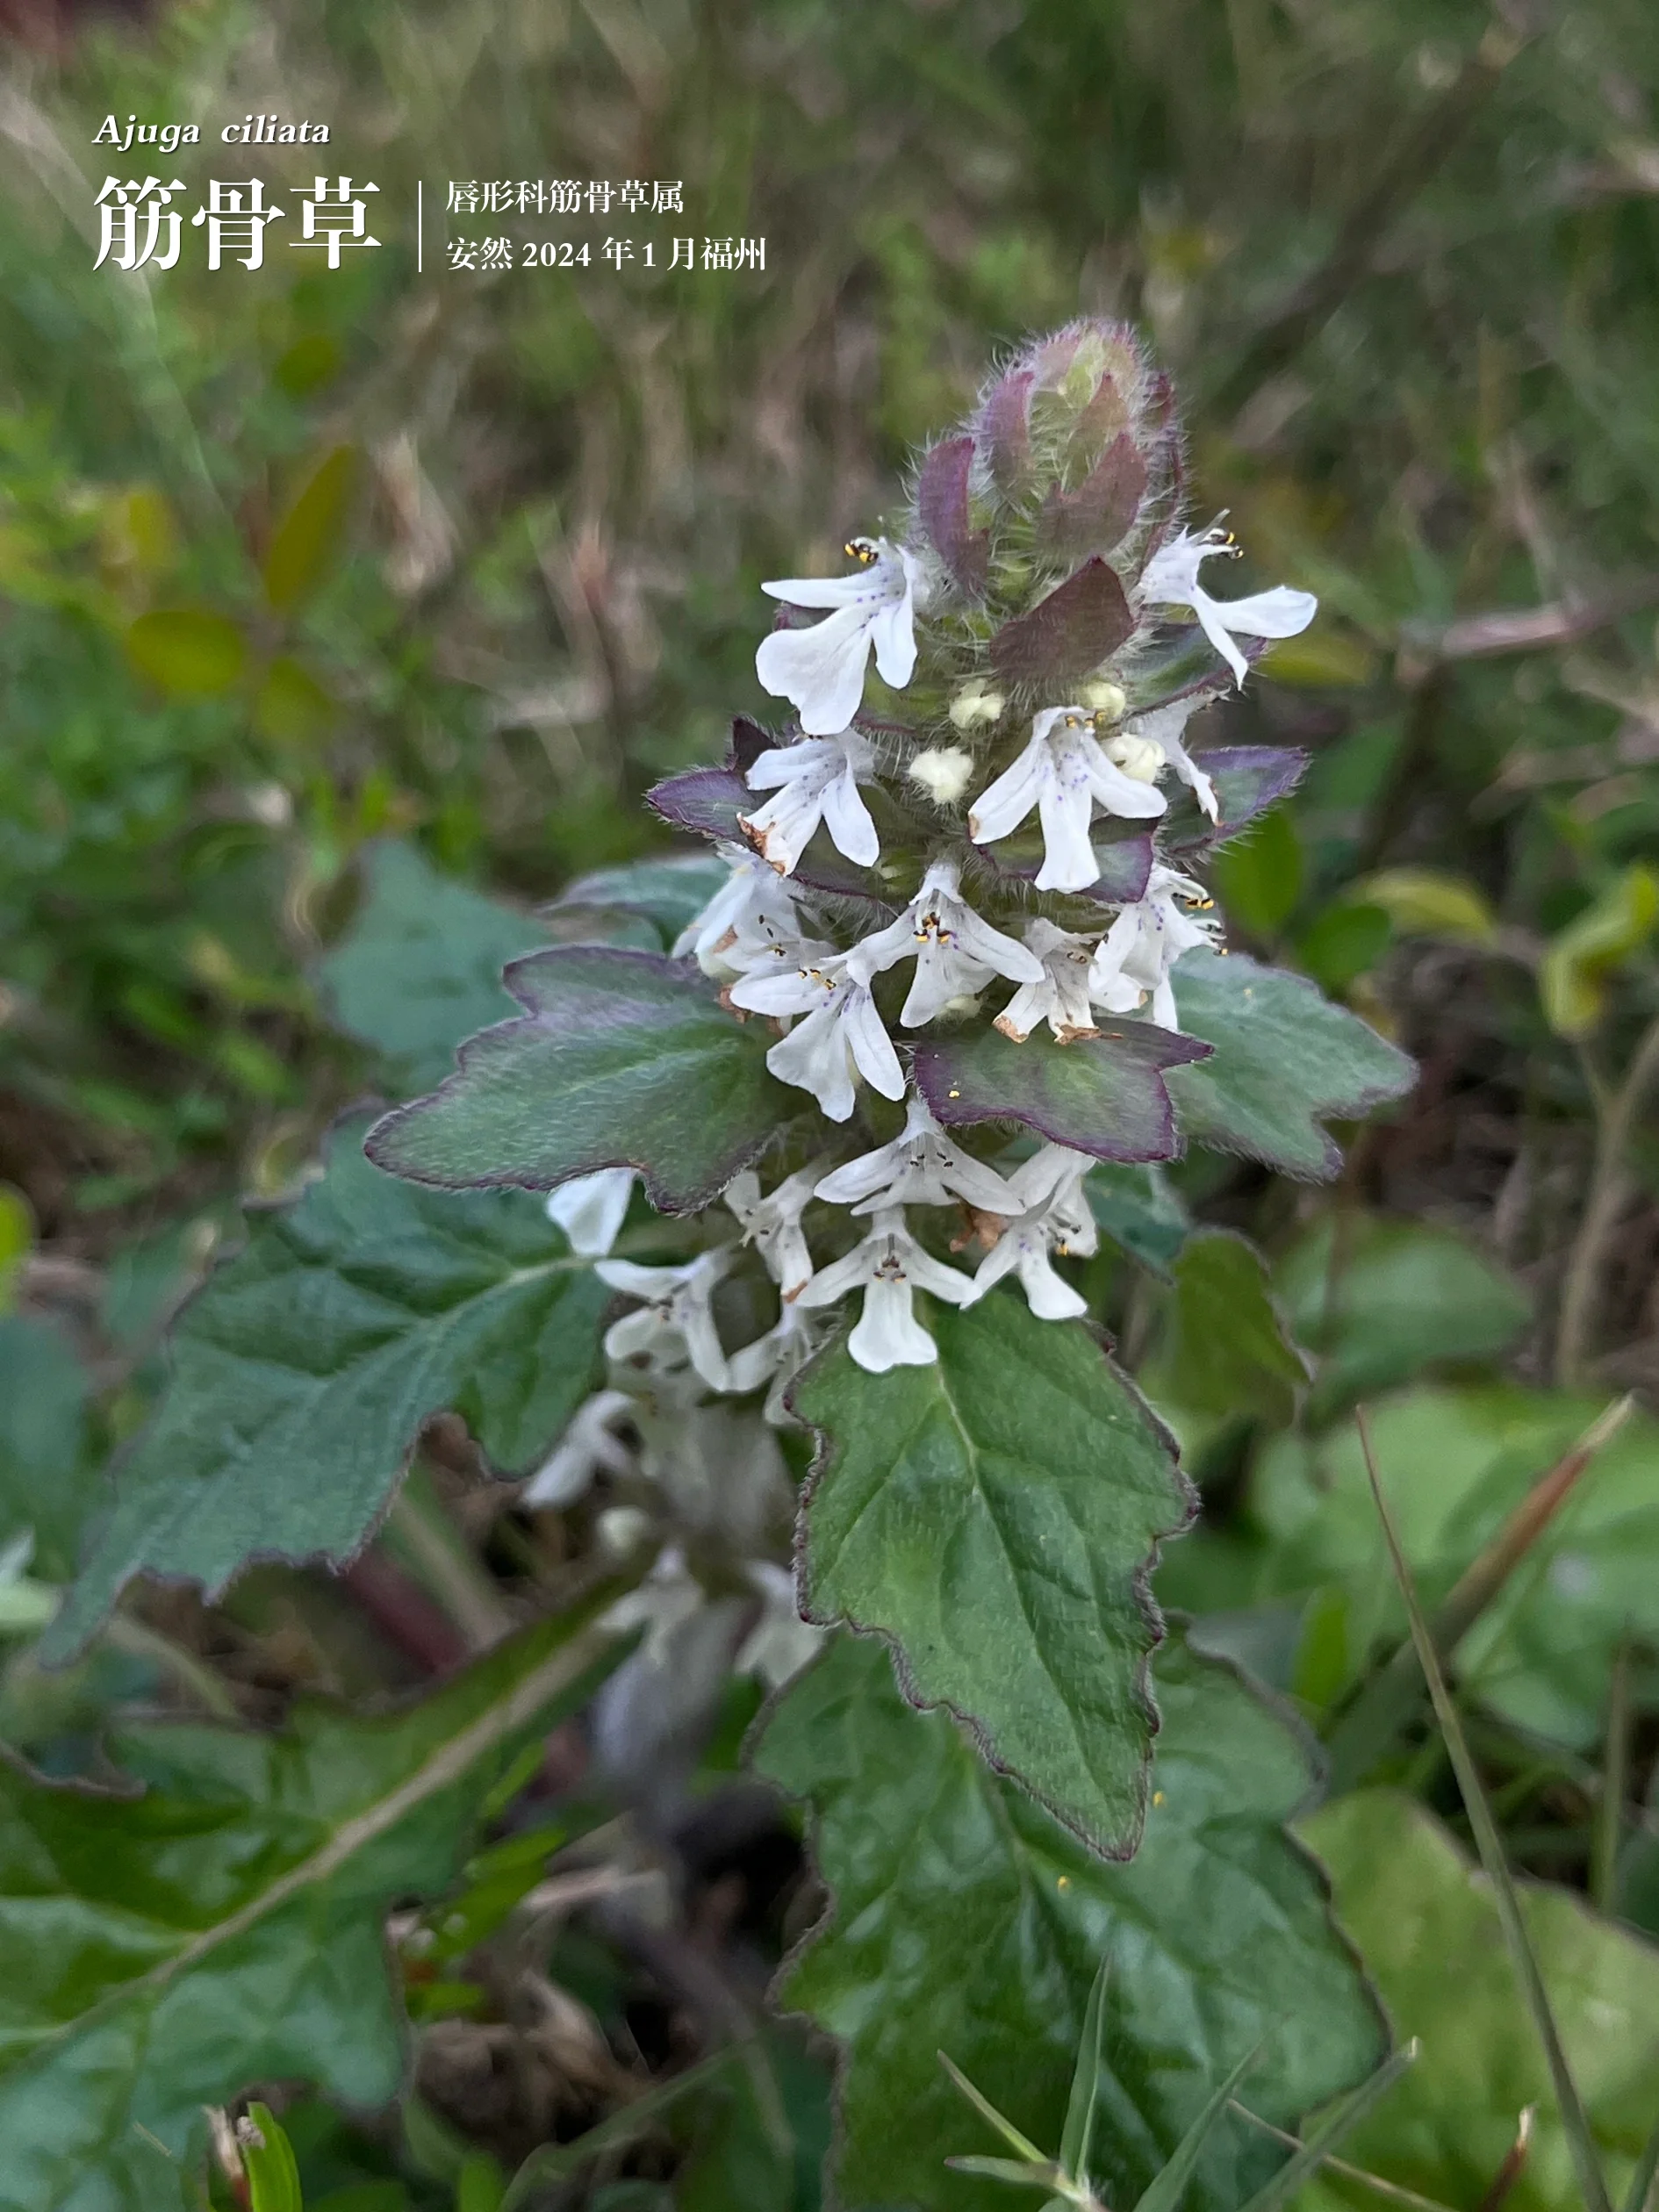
(780, 1643)
(955, 953)
(775, 1358)
(1171, 578)
(923, 1167)
(821, 669)
(1064, 772)
(889, 1266)
(1061, 999)
(586, 1448)
(944, 772)
(840, 1037)
(773, 1225)
(747, 922)
(1023, 1249)
(1051, 1181)
(676, 1323)
(590, 1209)
(668, 1598)
(1144, 943)
(720, 1470)
(1163, 728)
(1055, 1216)
(816, 779)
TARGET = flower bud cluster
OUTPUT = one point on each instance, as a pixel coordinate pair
(997, 684)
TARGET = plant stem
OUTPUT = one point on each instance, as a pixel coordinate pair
(194, 1675)
(1581, 1290)
(419, 1527)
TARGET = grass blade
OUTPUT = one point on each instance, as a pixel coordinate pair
(1642, 2181)
(1308, 2160)
(1395, 2191)
(1013, 2170)
(1164, 2192)
(1385, 1705)
(1574, 2121)
(988, 2113)
(1079, 2110)
(559, 2162)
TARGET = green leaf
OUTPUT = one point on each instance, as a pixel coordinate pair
(1138, 1210)
(1580, 963)
(1425, 902)
(225, 1927)
(623, 1059)
(268, 2160)
(1417, 1908)
(995, 1515)
(1344, 942)
(420, 969)
(1454, 1464)
(1285, 1060)
(1105, 1096)
(291, 709)
(309, 535)
(665, 893)
(1259, 877)
(964, 1919)
(1248, 780)
(47, 1483)
(1224, 1350)
(187, 651)
(305, 1366)
(1382, 1301)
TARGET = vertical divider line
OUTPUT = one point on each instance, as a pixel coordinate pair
(420, 228)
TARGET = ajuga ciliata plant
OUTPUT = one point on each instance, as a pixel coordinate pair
(961, 843)
(952, 948)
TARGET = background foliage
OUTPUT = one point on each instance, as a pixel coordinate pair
(348, 615)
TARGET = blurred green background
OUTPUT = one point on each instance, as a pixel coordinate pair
(298, 559)
(1402, 259)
